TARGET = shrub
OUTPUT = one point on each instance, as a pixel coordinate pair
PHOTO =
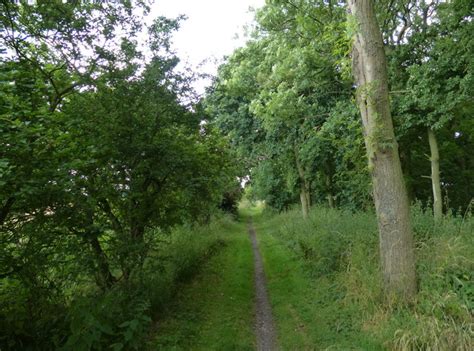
(83, 317)
(119, 318)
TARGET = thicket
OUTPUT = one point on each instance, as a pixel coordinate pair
(82, 317)
(340, 251)
(104, 153)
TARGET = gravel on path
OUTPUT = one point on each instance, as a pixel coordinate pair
(265, 329)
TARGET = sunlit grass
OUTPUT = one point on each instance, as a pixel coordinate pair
(249, 209)
(215, 310)
(324, 283)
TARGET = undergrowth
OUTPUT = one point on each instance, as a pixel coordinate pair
(118, 318)
(215, 310)
(340, 251)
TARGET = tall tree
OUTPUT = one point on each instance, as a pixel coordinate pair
(97, 152)
(391, 201)
(433, 69)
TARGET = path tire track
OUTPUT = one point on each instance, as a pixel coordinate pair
(265, 329)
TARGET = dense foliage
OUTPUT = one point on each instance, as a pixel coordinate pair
(112, 171)
(100, 158)
(285, 101)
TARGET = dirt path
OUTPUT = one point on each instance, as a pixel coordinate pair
(265, 330)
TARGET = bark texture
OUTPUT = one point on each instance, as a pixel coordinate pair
(105, 277)
(304, 201)
(330, 197)
(305, 191)
(435, 178)
(390, 196)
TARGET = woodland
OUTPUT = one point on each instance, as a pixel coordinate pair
(343, 130)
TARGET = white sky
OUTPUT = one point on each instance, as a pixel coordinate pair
(209, 32)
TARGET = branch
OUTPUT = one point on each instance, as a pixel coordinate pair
(105, 206)
(5, 210)
(298, 8)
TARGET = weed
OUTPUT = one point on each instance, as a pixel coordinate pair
(339, 250)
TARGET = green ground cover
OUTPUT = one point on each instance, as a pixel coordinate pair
(214, 311)
(324, 283)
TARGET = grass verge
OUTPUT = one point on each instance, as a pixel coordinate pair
(309, 312)
(324, 283)
(214, 311)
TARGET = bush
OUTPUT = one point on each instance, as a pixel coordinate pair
(82, 317)
(30, 318)
(118, 319)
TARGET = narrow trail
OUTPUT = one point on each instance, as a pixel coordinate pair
(265, 330)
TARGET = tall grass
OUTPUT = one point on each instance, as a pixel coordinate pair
(342, 247)
(119, 318)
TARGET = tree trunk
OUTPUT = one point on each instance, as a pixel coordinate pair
(329, 190)
(331, 201)
(390, 197)
(5, 209)
(435, 180)
(106, 278)
(91, 233)
(307, 187)
(305, 193)
(304, 202)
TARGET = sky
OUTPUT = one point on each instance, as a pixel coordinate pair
(210, 31)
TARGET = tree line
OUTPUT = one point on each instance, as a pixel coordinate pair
(291, 101)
